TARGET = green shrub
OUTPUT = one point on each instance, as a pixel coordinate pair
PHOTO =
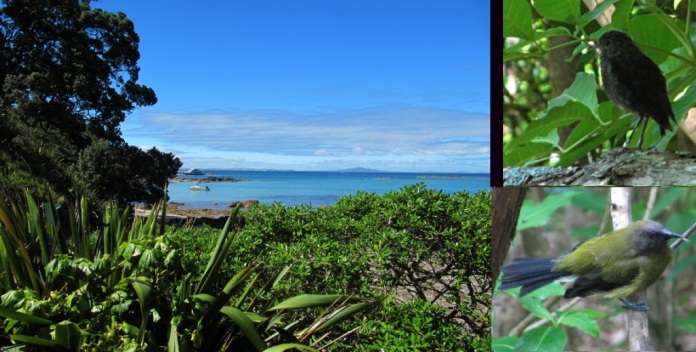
(423, 246)
(121, 286)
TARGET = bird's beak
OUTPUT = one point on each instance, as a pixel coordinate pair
(674, 235)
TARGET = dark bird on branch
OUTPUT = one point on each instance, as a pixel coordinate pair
(633, 82)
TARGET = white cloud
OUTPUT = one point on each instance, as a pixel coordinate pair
(400, 138)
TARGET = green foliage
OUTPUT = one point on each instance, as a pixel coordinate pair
(118, 286)
(536, 29)
(70, 78)
(672, 207)
(548, 338)
(141, 174)
(533, 215)
(430, 249)
(75, 285)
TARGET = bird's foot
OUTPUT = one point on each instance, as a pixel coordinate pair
(639, 306)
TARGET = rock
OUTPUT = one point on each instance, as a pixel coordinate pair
(244, 204)
(205, 180)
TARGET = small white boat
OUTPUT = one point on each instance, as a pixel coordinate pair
(194, 171)
(198, 187)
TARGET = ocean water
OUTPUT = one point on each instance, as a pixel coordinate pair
(315, 188)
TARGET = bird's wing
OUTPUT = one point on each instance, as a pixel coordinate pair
(589, 284)
(642, 82)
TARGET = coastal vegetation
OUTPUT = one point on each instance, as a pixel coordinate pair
(408, 270)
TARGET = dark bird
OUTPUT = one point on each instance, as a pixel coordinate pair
(618, 264)
(633, 82)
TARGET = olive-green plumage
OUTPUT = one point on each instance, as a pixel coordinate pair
(618, 264)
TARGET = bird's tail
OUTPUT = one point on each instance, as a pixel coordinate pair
(530, 273)
(666, 123)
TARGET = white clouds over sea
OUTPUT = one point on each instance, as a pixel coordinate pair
(396, 138)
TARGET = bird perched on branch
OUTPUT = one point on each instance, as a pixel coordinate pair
(633, 82)
(618, 264)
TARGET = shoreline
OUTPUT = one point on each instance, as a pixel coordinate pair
(179, 213)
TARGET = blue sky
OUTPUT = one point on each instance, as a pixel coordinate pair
(314, 84)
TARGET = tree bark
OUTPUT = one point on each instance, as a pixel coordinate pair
(507, 202)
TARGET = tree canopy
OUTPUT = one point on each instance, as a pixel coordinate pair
(69, 78)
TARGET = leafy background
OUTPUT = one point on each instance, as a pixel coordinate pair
(554, 111)
(408, 270)
(553, 220)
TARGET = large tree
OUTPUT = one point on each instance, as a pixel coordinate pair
(69, 77)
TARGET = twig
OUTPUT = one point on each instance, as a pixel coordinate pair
(340, 337)
(652, 198)
(685, 236)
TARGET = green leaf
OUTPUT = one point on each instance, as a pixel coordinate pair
(542, 339)
(573, 152)
(307, 301)
(33, 340)
(224, 243)
(504, 344)
(288, 346)
(517, 51)
(552, 139)
(622, 12)
(523, 149)
(205, 297)
(649, 32)
(579, 320)
(598, 135)
(534, 215)
(566, 11)
(517, 19)
(344, 313)
(173, 343)
(583, 90)
(592, 201)
(68, 335)
(536, 307)
(552, 32)
(245, 325)
(23, 317)
(687, 99)
(143, 289)
(552, 289)
(595, 13)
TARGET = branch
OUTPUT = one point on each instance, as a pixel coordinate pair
(636, 321)
(618, 167)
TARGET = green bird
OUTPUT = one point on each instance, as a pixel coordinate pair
(619, 264)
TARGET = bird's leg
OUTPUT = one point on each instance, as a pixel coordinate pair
(640, 141)
(639, 306)
(633, 132)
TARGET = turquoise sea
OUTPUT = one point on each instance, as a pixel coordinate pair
(315, 188)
